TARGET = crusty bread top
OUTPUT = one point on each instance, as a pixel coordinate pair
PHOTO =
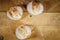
(13, 10)
(22, 30)
(35, 4)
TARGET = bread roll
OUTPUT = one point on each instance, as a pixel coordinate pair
(15, 13)
(35, 8)
(23, 32)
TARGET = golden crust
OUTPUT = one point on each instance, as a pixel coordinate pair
(35, 5)
(22, 29)
(13, 10)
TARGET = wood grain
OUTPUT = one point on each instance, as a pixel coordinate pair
(47, 24)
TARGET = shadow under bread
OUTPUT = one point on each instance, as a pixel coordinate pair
(25, 12)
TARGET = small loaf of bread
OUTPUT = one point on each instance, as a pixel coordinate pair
(23, 32)
(35, 8)
(15, 13)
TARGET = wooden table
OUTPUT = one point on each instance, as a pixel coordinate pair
(47, 24)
